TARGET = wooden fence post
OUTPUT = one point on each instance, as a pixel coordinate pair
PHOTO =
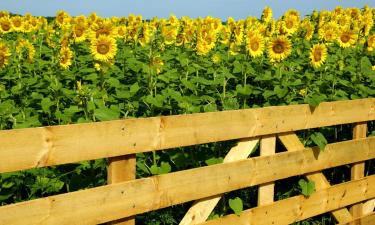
(358, 169)
(266, 191)
(122, 168)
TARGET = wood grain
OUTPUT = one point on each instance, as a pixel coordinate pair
(292, 143)
(38, 147)
(298, 208)
(202, 208)
(110, 202)
(266, 191)
(358, 169)
(122, 168)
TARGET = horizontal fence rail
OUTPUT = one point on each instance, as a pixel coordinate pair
(110, 202)
(124, 197)
(46, 146)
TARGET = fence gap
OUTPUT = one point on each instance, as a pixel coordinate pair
(292, 143)
(201, 209)
(122, 168)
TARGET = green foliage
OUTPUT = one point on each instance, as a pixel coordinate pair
(236, 205)
(307, 187)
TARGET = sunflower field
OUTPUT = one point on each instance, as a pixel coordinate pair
(67, 69)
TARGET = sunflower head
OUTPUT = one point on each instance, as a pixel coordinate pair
(4, 55)
(279, 48)
(25, 49)
(267, 14)
(65, 58)
(318, 55)
(347, 38)
(79, 32)
(17, 23)
(5, 25)
(103, 48)
(255, 45)
(371, 43)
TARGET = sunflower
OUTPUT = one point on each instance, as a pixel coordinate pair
(65, 58)
(318, 54)
(373, 67)
(5, 25)
(4, 55)
(26, 49)
(279, 48)
(308, 29)
(61, 16)
(291, 24)
(79, 32)
(328, 32)
(371, 43)
(255, 45)
(169, 34)
(157, 64)
(346, 38)
(17, 23)
(103, 48)
(267, 14)
(102, 27)
(216, 58)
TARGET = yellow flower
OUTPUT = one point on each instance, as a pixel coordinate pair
(25, 47)
(169, 34)
(267, 14)
(302, 92)
(279, 48)
(97, 66)
(216, 58)
(291, 24)
(103, 48)
(157, 64)
(65, 58)
(255, 45)
(346, 38)
(373, 67)
(102, 27)
(5, 25)
(17, 23)
(308, 28)
(371, 43)
(318, 55)
(4, 55)
(79, 32)
(328, 32)
(60, 18)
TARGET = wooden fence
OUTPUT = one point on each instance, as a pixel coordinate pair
(124, 197)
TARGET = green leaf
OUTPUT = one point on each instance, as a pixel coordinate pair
(307, 187)
(104, 113)
(46, 103)
(280, 92)
(319, 139)
(366, 67)
(163, 169)
(214, 160)
(236, 205)
(134, 88)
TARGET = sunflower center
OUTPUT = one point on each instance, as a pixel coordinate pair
(103, 49)
(17, 23)
(317, 55)
(289, 24)
(278, 47)
(79, 32)
(254, 46)
(5, 26)
(345, 38)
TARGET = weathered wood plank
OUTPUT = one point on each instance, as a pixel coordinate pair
(106, 203)
(122, 168)
(364, 220)
(298, 208)
(368, 207)
(38, 147)
(292, 143)
(202, 208)
(358, 169)
(266, 191)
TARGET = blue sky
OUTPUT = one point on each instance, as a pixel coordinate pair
(163, 8)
